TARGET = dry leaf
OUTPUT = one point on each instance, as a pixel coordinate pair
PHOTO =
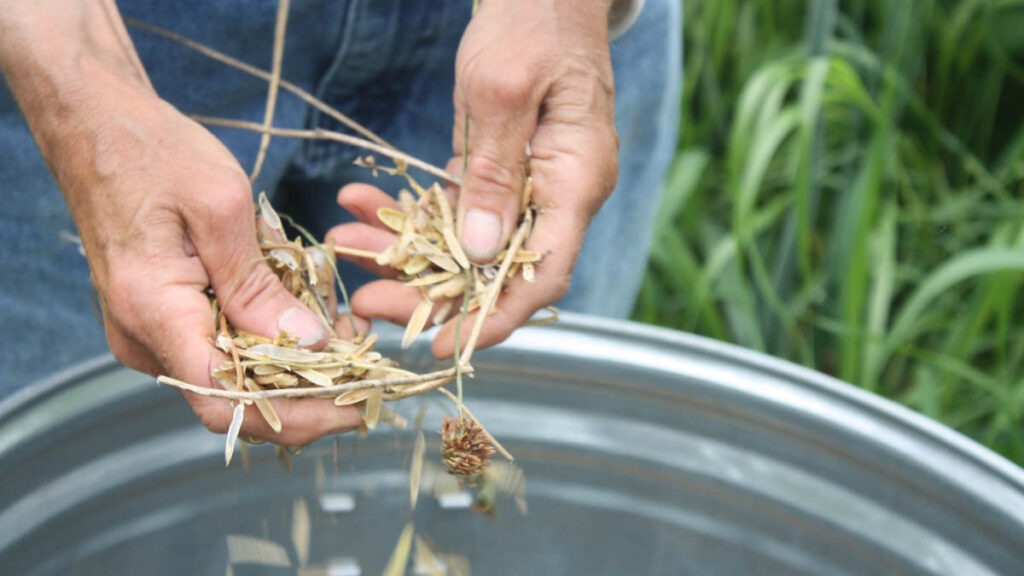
(430, 279)
(264, 406)
(419, 448)
(236, 424)
(400, 556)
(373, 403)
(426, 561)
(448, 289)
(391, 218)
(314, 377)
(301, 528)
(244, 549)
(416, 322)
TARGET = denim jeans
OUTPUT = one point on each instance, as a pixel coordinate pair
(389, 65)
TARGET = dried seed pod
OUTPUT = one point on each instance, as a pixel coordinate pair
(393, 219)
(417, 322)
(466, 448)
(448, 289)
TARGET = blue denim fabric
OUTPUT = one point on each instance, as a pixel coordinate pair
(388, 64)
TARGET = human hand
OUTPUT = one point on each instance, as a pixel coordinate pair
(534, 74)
(164, 211)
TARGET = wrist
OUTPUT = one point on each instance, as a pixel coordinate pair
(53, 54)
(67, 65)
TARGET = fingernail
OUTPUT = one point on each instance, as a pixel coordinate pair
(481, 234)
(300, 323)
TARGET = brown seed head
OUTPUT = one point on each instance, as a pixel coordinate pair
(465, 448)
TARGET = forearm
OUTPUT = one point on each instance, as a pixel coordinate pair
(61, 59)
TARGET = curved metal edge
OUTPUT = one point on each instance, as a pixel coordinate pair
(838, 390)
(639, 334)
(55, 383)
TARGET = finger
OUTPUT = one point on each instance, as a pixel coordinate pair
(363, 201)
(560, 224)
(365, 238)
(521, 299)
(349, 330)
(386, 299)
(500, 104)
(184, 311)
(252, 296)
(306, 419)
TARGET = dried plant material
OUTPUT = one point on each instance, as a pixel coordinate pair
(373, 405)
(419, 449)
(261, 367)
(500, 479)
(314, 377)
(232, 436)
(393, 419)
(393, 219)
(417, 322)
(244, 549)
(301, 530)
(428, 255)
(469, 415)
(400, 556)
(442, 311)
(457, 565)
(448, 289)
(465, 448)
(426, 561)
(431, 279)
(528, 273)
(264, 406)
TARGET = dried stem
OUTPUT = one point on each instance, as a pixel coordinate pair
(420, 383)
(491, 296)
(253, 71)
(497, 445)
(346, 251)
(321, 134)
(275, 82)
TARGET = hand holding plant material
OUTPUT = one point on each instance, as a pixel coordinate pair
(533, 100)
(163, 209)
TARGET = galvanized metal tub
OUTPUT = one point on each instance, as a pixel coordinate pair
(645, 452)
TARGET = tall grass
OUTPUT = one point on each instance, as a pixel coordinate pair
(848, 193)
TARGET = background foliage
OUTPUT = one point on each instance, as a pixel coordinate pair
(848, 193)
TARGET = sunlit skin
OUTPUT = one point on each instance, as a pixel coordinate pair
(164, 210)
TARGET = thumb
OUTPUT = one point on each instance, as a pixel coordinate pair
(251, 295)
(501, 121)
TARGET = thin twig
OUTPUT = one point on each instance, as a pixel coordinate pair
(322, 134)
(253, 71)
(497, 445)
(417, 389)
(275, 82)
(331, 260)
(346, 251)
(491, 296)
(429, 380)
